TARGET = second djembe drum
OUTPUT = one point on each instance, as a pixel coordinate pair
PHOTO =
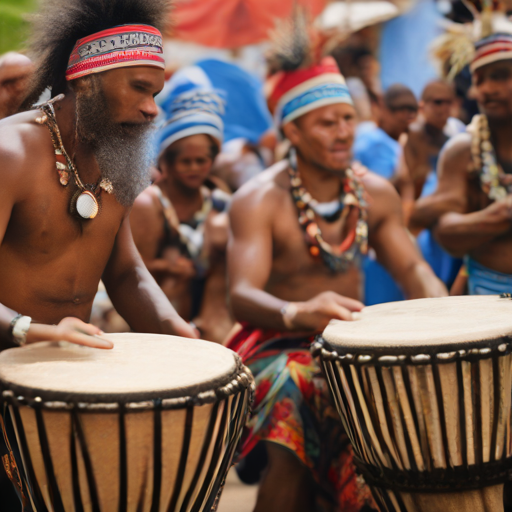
(424, 388)
(150, 426)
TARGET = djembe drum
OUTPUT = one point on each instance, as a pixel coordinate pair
(150, 426)
(424, 388)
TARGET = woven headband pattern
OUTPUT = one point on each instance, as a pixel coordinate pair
(122, 46)
(492, 49)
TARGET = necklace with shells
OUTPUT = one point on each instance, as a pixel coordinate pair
(355, 244)
(85, 201)
(494, 182)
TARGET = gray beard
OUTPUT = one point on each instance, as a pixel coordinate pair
(123, 151)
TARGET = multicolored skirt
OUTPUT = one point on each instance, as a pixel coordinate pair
(293, 408)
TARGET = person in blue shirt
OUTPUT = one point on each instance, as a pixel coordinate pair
(379, 150)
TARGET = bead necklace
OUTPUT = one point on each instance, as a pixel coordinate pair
(85, 201)
(355, 244)
(492, 178)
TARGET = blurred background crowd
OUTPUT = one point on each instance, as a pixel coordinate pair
(407, 112)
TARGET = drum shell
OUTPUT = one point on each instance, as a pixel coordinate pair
(134, 457)
(431, 423)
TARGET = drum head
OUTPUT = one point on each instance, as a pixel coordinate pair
(410, 326)
(139, 367)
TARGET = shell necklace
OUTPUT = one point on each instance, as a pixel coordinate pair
(85, 201)
(493, 181)
(355, 244)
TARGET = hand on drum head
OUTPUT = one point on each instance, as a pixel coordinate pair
(180, 327)
(69, 329)
(316, 313)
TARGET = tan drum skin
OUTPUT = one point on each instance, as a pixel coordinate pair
(149, 426)
(424, 391)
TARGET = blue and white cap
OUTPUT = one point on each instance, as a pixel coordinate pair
(191, 107)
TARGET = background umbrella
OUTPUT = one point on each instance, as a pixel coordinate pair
(233, 23)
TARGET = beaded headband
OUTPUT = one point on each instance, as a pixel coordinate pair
(118, 47)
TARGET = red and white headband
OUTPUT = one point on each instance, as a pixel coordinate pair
(118, 47)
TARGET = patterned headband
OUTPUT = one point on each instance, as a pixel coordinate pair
(118, 47)
(494, 48)
(294, 93)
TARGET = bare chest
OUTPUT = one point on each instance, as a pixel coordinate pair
(296, 274)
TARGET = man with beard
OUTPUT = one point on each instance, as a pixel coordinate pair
(298, 231)
(471, 209)
(70, 170)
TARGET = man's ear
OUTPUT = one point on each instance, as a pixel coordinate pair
(291, 132)
(82, 84)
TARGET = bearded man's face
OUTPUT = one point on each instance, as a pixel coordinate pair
(115, 110)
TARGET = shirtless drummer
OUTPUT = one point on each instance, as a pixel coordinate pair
(71, 170)
(297, 233)
(471, 209)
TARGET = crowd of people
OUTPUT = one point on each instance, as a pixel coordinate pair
(122, 204)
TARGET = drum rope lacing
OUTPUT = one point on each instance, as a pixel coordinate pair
(466, 476)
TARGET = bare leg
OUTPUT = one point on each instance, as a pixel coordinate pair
(287, 485)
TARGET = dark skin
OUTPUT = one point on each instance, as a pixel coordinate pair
(396, 117)
(181, 183)
(51, 262)
(466, 221)
(265, 229)
(426, 138)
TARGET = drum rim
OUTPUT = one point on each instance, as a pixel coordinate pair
(238, 381)
(206, 391)
(413, 354)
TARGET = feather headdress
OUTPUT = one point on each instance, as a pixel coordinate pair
(301, 78)
(488, 39)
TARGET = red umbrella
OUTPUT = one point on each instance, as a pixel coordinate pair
(233, 23)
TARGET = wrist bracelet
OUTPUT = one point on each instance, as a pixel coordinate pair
(288, 313)
(20, 325)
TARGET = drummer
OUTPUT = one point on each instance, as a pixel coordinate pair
(288, 280)
(53, 250)
(471, 210)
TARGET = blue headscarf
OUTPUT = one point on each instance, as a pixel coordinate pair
(191, 107)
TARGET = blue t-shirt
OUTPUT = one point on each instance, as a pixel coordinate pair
(377, 151)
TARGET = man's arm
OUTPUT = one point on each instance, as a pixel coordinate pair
(458, 230)
(461, 233)
(393, 245)
(134, 292)
(12, 187)
(451, 193)
(250, 265)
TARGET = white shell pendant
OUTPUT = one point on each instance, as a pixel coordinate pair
(87, 205)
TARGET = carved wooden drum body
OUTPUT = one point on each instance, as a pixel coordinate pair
(150, 426)
(424, 391)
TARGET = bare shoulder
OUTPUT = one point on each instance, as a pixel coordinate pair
(458, 147)
(267, 188)
(23, 145)
(147, 203)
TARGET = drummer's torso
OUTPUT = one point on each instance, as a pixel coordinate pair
(50, 261)
(295, 274)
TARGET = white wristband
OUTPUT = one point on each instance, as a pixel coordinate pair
(20, 327)
(289, 312)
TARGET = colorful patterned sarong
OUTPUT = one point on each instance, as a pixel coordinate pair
(293, 408)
